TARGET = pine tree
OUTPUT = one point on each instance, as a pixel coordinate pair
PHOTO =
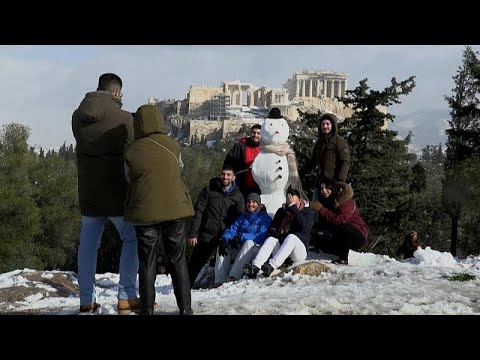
(463, 139)
(19, 216)
(63, 150)
(433, 160)
(380, 167)
(303, 135)
(419, 181)
(71, 153)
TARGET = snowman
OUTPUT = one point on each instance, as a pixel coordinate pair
(275, 167)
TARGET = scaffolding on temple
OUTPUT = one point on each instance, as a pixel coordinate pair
(219, 107)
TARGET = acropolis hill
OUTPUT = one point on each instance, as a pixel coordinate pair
(212, 113)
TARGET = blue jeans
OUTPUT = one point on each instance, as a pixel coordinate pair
(90, 239)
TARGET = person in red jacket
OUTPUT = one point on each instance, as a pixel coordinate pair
(349, 229)
(241, 156)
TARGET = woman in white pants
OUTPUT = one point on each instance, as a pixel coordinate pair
(289, 236)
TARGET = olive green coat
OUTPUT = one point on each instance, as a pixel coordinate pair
(157, 192)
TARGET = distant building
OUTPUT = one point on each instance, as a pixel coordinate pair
(316, 83)
(219, 107)
(152, 101)
(210, 112)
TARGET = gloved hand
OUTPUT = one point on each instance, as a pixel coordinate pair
(222, 247)
(316, 205)
(235, 243)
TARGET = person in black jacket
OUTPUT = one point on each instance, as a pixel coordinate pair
(218, 205)
(409, 246)
(288, 236)
(241, 156)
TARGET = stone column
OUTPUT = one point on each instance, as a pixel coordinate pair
(240, 100)
(302, 87)
(332, 88)
(325, 87)
(311, 88)
(250, 97)
(318, 88)
(297, 88)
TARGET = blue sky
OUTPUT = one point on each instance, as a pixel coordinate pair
(42, 85)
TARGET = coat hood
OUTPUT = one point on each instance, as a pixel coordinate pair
(345, 192)
(333, 119)
(148, 120)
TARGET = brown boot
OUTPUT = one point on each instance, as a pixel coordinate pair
(125, 306)
(89, 308)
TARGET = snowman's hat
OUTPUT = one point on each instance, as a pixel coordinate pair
(275, 113)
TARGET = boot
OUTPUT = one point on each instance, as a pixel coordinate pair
(146, 311)
(188, 311)
(125, 306)
(89, 308)
(251, 271)
(267, 269)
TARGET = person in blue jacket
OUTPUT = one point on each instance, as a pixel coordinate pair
(288, 236)
(241, 241)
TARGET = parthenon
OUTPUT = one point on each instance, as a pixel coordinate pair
(226, 107)
(316, 83)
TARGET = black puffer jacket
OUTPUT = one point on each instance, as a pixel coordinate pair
(292, 220)
(215, 210)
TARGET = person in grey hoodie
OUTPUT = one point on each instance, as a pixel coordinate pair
(102, 131)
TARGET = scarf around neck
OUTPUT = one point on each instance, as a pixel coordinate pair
(286, 150)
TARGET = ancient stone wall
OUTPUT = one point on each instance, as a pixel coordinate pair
(205, 129)
(231, 127)
(199, 99)
(216, 130)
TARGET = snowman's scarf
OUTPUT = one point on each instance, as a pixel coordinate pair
(286, 150)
